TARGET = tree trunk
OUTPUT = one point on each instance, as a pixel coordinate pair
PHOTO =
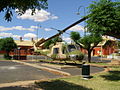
(7, 53)
(89, 56)
(6, 56)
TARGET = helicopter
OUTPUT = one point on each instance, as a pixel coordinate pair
(60, 50)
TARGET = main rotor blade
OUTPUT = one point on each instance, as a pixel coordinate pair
(64, 30)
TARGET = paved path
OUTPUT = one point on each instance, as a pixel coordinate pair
(99, 59)
(71, 70)
(12, 72)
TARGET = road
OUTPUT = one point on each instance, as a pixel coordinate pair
(12, 72)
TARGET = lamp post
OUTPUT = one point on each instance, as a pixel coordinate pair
(78, 13)
(38, 26)
(19, 53)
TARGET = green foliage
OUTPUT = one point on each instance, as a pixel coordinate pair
(8, 6)
(118, 44)
(54, 56)
(78, 53)
(104, 18)
(7, 57)
(80, 56)
(90, 40)
(87, 42)
(7, 44)
(75, 36)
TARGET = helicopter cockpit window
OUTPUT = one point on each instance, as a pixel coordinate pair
(55, 50)
(71, 48)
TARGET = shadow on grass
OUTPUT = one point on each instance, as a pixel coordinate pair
(59, 85)
(112, 76)
(15, 88)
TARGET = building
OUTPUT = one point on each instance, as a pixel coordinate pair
(102, 50)
(29, 47)
(106, 47)
(25, 47)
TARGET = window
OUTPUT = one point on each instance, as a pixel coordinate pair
(55, 50)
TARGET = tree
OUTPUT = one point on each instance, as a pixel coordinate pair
(118, 44)
(87, 42)
(104, 18)
(75, 36)
(7, 44)
(8, 6)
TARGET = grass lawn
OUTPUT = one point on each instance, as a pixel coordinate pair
(3, 59)
(62, 61)
(99, 63)
(100, 81)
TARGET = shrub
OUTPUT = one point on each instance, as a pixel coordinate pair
(6, 56)
(80, 56)
(54, 56)
(76, 52)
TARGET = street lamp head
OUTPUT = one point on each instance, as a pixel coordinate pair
(78, 10)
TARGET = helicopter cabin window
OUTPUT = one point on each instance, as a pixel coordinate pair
(55, 50)
(71, 48)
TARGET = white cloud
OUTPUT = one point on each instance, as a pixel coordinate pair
(16, 36)
(3, 34)
(53, 17)
(34, 27)
(47, 29)
(30, 35)
(67, 39)
(21, 28)
(77, 28)
(39, 16)
(2, 28)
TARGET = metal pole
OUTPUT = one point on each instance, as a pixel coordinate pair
(101, 53)
(78, 13)
(38, 26)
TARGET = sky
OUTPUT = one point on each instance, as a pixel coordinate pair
(59, 15)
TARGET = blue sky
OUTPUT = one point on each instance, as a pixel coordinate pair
(59, 15)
